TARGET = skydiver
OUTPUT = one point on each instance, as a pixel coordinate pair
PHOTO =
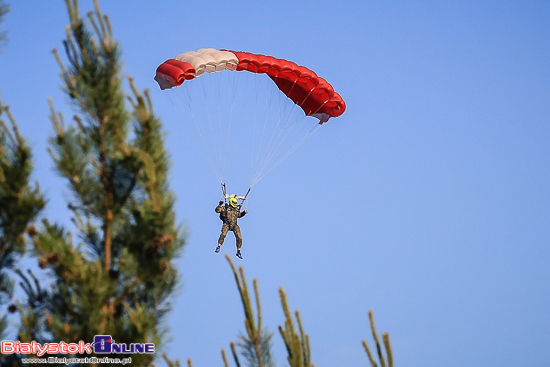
(229, 215)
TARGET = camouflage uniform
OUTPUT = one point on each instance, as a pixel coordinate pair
(229, 216)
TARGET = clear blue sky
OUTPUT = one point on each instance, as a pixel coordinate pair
(428, 201)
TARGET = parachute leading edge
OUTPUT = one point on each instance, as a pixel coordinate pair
(312, 93)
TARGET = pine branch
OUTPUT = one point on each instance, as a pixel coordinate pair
(369, 354)
(175, 363)
(224, 358)
(387, 346)
(4, 9)
(20, 204)
(234, 353)
(21, 201)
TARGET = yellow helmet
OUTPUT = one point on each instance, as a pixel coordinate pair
(233, 202)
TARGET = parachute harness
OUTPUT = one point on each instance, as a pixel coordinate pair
(225, 196)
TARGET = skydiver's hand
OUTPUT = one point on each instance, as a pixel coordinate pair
(220, 203)
(246, 211)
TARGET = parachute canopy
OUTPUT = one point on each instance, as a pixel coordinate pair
(313, 94)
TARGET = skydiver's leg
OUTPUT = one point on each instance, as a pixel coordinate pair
(225, 229)
(238, 237)
(238, 240)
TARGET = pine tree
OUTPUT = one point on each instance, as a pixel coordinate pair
(20, 203)
(115, 277)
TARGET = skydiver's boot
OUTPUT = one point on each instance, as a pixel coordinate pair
(217, 249)
(238, 254)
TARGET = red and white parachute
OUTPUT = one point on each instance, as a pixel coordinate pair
(311, 93)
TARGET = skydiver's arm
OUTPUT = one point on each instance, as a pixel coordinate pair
(243, 213)
(219, 208)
